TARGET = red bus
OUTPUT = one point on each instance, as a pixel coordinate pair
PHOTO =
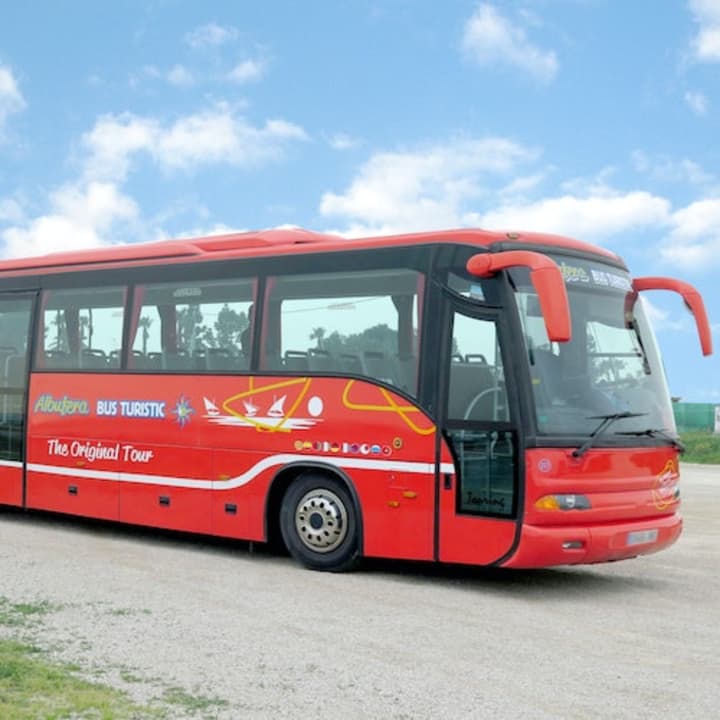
(464, 396)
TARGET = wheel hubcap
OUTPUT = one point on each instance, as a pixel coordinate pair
(321, 520)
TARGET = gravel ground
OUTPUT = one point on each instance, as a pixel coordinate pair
(251, 635)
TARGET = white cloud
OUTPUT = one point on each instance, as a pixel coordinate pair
(706, 44)
(10, 210)
(11, 100)
(217, 136)
(81, 217)
(341, 141)
(113, 141)
(694, 241)
(667, 169)
(247, 71)
(94, 211)
(210, 35)
(491, 39)
(180, 76)
(593, 216)
(421, 189)
(521, 185)
(697, 102)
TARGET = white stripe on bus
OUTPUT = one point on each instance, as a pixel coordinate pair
(240, 480)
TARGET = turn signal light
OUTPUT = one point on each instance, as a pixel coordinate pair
(563, 502)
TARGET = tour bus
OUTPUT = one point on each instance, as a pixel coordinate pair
(475, 397)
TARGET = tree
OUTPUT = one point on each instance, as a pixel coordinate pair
(229, 327)
(318, 334)
(191, 331)
(145, 322)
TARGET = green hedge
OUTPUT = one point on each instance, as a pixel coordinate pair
(701, 447)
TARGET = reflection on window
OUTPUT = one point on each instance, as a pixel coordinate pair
(486, 469)
(477, 387)
(14, 329)
(615, 353)
(82, 329)
(363, 323)
(610, 365)
(469, 288)
(193, 327)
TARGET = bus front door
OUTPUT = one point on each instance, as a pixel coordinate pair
(479, 463)
(15, 318)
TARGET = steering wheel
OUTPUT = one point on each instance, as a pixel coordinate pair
(483, 393)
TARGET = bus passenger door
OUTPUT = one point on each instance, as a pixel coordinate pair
(479, 452)
(15, 316)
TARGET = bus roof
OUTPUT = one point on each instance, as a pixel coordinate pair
(275, 242)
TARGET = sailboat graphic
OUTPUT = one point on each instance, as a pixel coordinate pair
(274, 405)
(210, 408)
(276, 409)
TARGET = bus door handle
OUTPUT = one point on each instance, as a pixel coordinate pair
(447, 481)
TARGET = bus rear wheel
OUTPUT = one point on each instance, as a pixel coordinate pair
(319, 523)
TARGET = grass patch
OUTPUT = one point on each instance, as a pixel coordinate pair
(32, 688)
(21, 614)
(701, 447)
(192, 703)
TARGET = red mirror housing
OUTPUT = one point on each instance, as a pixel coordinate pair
(545, 276)
(692, 299)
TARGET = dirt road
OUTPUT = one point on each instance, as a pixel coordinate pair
(255, 636)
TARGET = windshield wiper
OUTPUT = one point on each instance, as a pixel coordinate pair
(607, 421)
(656, 433)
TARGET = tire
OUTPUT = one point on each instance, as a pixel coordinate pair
(319, 523)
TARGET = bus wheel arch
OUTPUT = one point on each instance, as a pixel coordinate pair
(314, 509)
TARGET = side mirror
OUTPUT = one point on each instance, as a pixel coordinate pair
(693, 301)
(545, 276)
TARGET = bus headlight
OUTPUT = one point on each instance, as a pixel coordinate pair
(563, 502)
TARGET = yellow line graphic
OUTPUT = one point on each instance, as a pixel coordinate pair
(392, 407)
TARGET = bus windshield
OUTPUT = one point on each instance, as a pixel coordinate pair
(611, 366)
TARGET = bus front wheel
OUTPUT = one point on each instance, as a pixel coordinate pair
(319, 523)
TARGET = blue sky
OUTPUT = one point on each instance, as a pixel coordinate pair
(132, 121)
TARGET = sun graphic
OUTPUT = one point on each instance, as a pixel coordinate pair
(183, 411)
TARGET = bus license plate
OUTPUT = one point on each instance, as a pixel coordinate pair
(639, 537)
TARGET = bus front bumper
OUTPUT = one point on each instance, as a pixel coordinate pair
(567, 545)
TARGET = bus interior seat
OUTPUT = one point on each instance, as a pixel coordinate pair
(153, 361)
(380, 366)
(58, 360)
(219, 359)
(351, 363)
(177, 361)
(93, 359)
(467, 381)
(407, 372)
(14, 380)
(476, 358)
(321, 360)
(295, 360)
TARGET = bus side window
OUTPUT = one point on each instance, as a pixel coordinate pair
(348, 323)
(192, 326)
(80, 328)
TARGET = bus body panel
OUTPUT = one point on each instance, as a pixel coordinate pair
(633, 498)
(544, 546)
(11, 484)
(397, 514)
(199, 453)
(620, 484)
(238, 512)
